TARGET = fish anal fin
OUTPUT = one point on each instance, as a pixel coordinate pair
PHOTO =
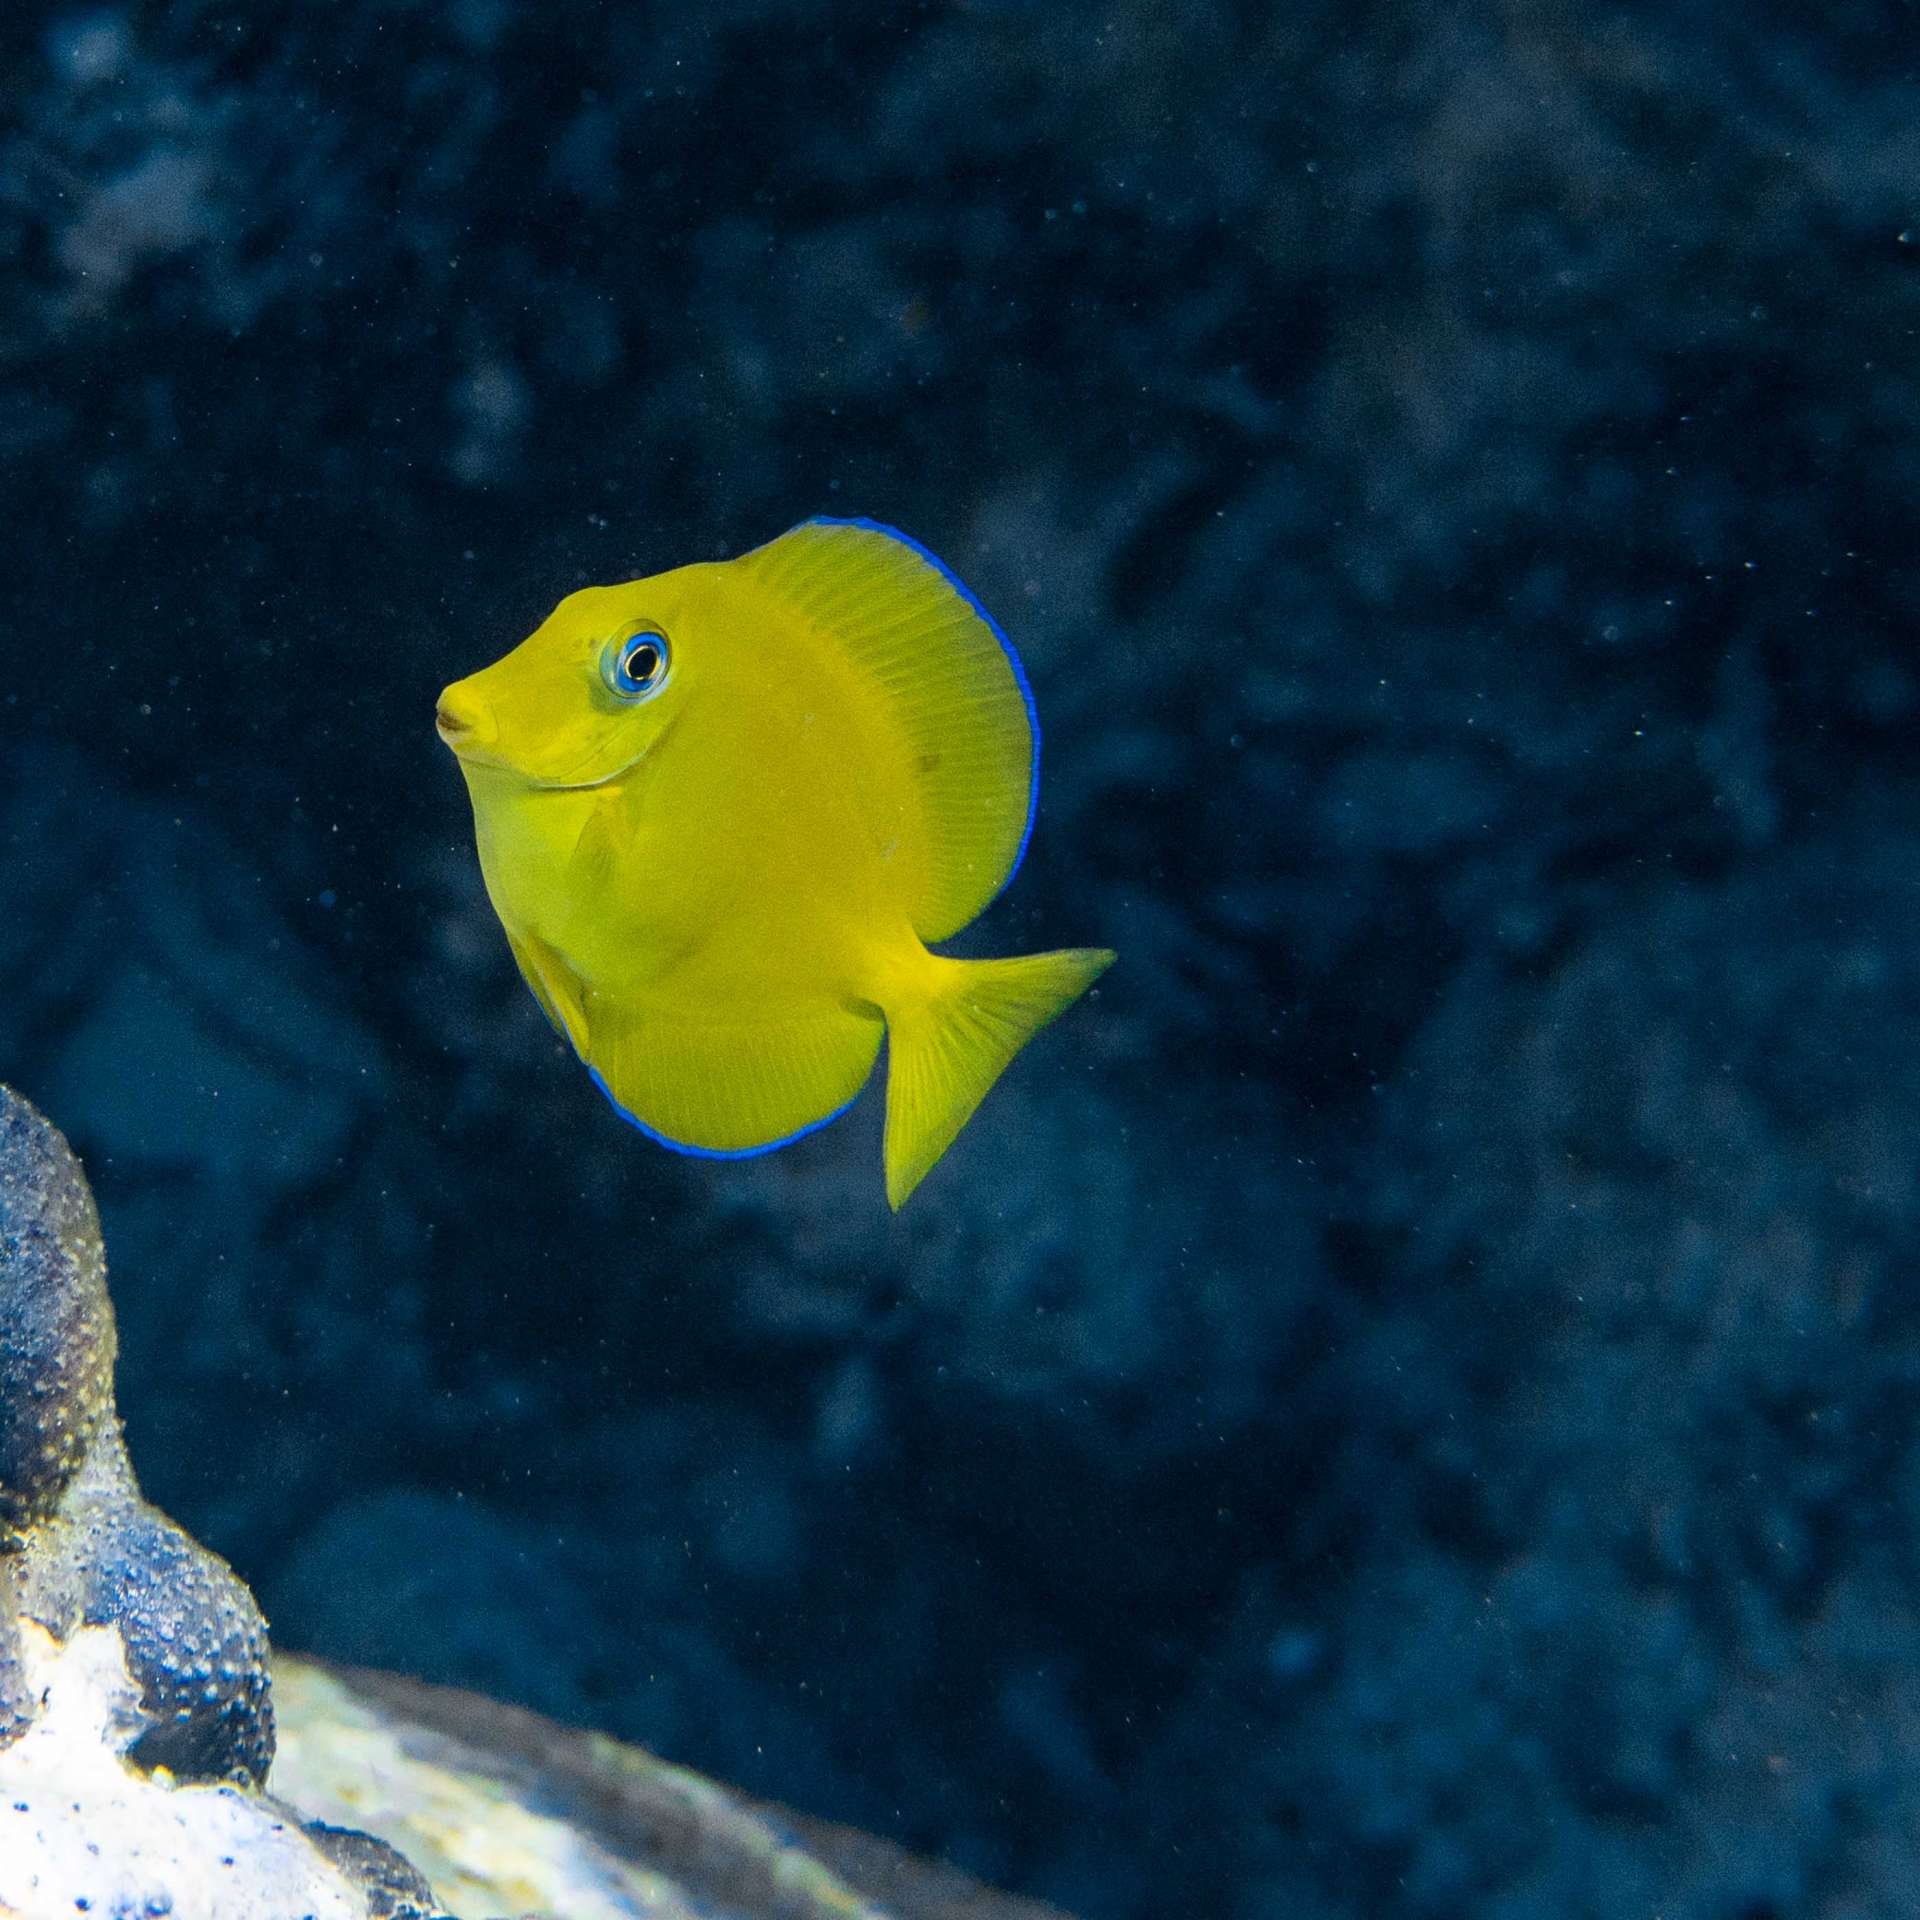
(729, 1090)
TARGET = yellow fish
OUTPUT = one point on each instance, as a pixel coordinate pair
(722, 813)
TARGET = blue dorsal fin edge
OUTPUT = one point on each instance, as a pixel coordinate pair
(660, 1139)
(999, 632)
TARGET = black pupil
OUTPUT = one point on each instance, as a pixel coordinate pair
(643, 661)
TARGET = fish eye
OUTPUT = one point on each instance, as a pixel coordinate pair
(635, 664)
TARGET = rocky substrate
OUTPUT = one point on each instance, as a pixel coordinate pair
(137, 1714)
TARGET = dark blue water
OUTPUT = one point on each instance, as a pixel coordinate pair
(1404, 1405)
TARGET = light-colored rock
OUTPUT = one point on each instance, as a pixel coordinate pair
(138, 1717)
(82, 1831)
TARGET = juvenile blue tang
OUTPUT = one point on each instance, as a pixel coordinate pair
(724, 812)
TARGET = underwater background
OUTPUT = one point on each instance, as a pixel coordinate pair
(1404, 1404)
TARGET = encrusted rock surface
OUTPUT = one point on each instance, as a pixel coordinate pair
(139, 1725)
(509, 1812)
(136, 1721)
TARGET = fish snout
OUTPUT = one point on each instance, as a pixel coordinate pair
(461, 720)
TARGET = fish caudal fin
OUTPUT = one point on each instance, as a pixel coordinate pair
(947, 1045)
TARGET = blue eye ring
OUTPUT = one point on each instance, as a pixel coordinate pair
(634, 665)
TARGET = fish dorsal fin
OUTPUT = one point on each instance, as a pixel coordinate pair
(950, 678)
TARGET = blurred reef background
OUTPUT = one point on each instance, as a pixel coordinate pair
(1405, 1405)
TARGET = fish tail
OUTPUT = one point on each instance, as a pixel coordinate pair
(950, 1036)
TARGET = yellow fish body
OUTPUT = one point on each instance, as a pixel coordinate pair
(722, 813)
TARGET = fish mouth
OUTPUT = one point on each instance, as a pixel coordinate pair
(463, 723)
(473, 756)
(468, 736)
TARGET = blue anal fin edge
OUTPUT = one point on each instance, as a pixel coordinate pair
(713, 1153)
